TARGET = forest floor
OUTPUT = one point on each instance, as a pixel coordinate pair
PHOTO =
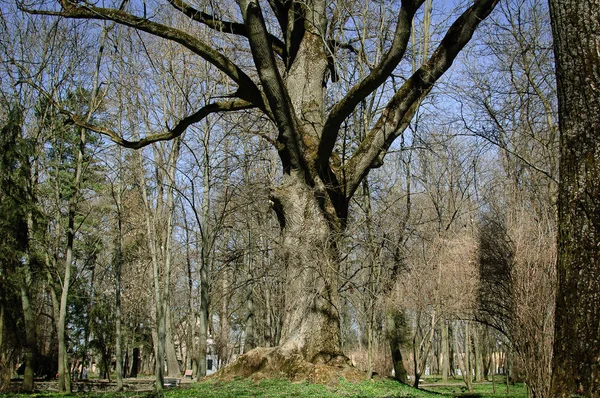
(381, 388)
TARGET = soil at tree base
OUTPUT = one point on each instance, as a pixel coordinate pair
(275, 363)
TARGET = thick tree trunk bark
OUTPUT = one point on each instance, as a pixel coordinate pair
(312, 322)
(576, 360)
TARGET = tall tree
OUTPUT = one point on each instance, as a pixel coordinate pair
(293, 70)
(576, 361)
(17, 208)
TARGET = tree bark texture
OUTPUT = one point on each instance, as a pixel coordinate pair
(576, 361)
(311, 323)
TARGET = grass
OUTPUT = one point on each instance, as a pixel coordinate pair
(284, 388)
(484, 390)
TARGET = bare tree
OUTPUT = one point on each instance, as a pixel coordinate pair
(293, 70)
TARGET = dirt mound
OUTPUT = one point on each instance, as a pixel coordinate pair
(273, 363)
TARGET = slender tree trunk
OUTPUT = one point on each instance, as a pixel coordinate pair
(464, 356)
(31, 344)
(202, 322)
(374, 271)
(445, 351)
(30, 352)
(172, 362)
(64, 376)
(250, 338)
(206, 238)
(478, 362)
(2, 307)
(576, 360)
(119, 369)
(192, 314)
(135, 362)
(269, 322)
(5, 364)
(118, 264)
(158, 330)
(508, 372)
(250, 341)
(223, 350)
(468, 376)
(161, 237)
(395, 327)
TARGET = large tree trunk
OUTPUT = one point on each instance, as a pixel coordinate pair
(312, 321)
(576, 361)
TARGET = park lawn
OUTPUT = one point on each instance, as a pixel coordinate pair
(284, 388)
(484, 390)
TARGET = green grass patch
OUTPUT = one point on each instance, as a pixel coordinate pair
(285, 388)
(483, 390)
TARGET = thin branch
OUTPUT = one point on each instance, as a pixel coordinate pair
(402, 107)
(220, 25)
(248, 90)
(178, 130)
(375, 79)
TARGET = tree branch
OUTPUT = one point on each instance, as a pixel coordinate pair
(178, 130)
(403, 105)
(248, 90)
(376, 78)
(222, 26)
(277, 96)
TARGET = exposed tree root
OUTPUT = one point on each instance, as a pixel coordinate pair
(272, 363)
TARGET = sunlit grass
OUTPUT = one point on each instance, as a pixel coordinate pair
(285, 388)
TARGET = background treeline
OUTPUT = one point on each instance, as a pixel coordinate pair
(448, 261)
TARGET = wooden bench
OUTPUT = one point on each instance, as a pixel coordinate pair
(188, 373)
(171, 382)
